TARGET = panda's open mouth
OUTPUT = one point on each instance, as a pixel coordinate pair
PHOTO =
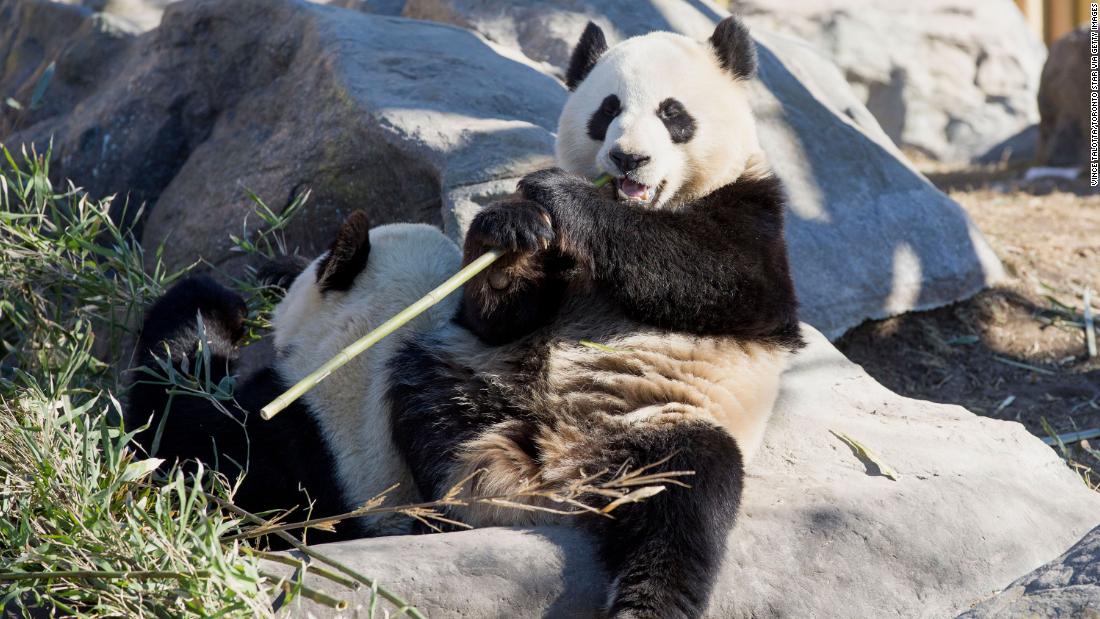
(631, 190)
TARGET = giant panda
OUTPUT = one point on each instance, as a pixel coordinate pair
(330, 451)
(643, 323)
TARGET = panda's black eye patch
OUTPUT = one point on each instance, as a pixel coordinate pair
(680, 124)
(601, 119)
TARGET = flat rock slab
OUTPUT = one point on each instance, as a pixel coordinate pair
(413, 120)
(822, 534)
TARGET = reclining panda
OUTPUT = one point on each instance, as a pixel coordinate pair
(677, 271)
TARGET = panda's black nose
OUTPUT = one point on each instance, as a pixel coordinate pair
(628, 161)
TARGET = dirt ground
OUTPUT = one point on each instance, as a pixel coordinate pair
(1016, 351)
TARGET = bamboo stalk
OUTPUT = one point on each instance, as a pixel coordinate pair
(404, 316)
(288, 586)
(388, 327)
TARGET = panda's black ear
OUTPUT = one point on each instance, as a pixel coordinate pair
(347, 257)
(734, 46)
(585, 55)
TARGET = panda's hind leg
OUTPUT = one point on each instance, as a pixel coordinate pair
(664, 552)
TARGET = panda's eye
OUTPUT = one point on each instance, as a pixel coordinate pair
(610, 106)
(680, 124)
(670, 109)
(603, 116)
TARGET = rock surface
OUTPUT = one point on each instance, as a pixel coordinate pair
(1064, 102)
(35, 34)
(414, 120)
(821, 535)
(1068, 586)
(946, 78)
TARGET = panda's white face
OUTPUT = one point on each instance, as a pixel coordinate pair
(662, 116)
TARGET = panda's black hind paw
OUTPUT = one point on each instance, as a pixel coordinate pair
(174, 314)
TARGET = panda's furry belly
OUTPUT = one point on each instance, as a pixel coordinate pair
(650, 379)
(631, 379)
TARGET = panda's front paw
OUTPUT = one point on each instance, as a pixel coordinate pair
(513, 225)
(555, 189)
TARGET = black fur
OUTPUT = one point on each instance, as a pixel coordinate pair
(680, 124)
(735, 48)
(717, 266)
(437, 404)
(347, 257)
(586, 54)
(282, 271)
(666, 550)
(602, 117)
(288, 463)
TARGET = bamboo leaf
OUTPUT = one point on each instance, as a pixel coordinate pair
(867, 456)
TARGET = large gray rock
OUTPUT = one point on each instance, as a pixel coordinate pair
(418, 121)
(869, 236)
(946, 78)
(35, 34)
(1068, 586)
(1064, 102)
(978, 502)
(386, 114)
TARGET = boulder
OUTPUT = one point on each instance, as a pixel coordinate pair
(1068, 586)
(413, 120)
(1064, 108)
(381, 113)
(947, 79)
(869, 236)
(977, 502)
(53, 55)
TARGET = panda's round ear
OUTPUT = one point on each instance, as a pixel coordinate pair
(347, 257)
(585, 55)
(734, 46)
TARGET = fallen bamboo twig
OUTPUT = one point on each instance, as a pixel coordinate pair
(404, 316)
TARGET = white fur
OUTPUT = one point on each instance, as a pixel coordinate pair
(725, 142)
(406, 261)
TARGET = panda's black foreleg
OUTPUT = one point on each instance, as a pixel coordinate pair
(664, 552)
